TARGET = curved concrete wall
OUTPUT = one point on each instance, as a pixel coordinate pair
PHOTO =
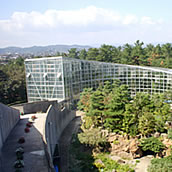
(51, 125)
(8, 119)
(57, 119)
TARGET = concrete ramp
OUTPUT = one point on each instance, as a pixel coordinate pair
(34, 154)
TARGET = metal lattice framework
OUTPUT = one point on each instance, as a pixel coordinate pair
(60, 78)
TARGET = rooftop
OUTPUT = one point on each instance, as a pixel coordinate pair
(156, 69)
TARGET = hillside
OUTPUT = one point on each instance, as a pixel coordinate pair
(41, 49)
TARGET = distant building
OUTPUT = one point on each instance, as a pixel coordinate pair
(60, 78)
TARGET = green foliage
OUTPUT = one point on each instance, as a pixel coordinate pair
(85, 98)
(130, 120)
(115, 142)
(73, 53)
(133, 130)
(92, 54)
(116, 108)
(93, 138)
(97, 107)
(109, 165)
(12, 82)
(110, 107)
(146, 115)
(87, 122)
(152, 144)
(137, 161)
(162, 112)
(83, 54)
(170, 134)
(161, 165)
(147, 124)
(137, 54)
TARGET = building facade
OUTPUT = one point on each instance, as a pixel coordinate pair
(62, 78)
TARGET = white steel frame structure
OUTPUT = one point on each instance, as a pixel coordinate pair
(62, 78)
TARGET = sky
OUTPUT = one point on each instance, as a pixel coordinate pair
(27, 23)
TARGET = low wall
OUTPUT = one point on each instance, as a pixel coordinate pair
(8, 119)
(34, 107)
(57, 119)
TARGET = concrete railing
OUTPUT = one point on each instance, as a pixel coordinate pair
(34, 107)
(8, 119)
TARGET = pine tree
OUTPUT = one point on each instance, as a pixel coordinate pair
(116, 108)
(147, 124)
(85, 98)
(97, 107)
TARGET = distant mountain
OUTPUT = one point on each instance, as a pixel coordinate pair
(36, 50)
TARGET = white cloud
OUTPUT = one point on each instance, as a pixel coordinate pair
(77, 18)
(147, 20)
(130, 19)
(59, 23)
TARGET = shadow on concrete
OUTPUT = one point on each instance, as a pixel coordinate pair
(34, 154)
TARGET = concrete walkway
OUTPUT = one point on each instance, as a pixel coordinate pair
(34, 155)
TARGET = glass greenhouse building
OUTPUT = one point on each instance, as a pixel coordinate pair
(62, 78)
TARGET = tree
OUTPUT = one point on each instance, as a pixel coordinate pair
(73, 53)
(126, 57)
(140, 105)
(3, 86)
(83, 54)
(92, 54)
(116, 107)
(147, 124)
(138, 54)
(107, 88)
(13, 84)
(85, 100)
(105, 53)
(162, 112)
(150, 53)
(146, 114)
(130, 121)
(167, 53)
(97, 107)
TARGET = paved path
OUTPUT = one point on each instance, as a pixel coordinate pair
(142, 166)
(65, 140)
(34, 156)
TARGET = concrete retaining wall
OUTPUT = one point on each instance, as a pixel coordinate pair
(57, 120)
(34, 107)
(18, 107)
(8, 119)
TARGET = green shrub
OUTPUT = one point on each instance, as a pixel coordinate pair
(152, 144)
(133, 131)
(93, 138)
(109, 165)
(170, 134)
(161, 165)
(137, 161)
(88, 122)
